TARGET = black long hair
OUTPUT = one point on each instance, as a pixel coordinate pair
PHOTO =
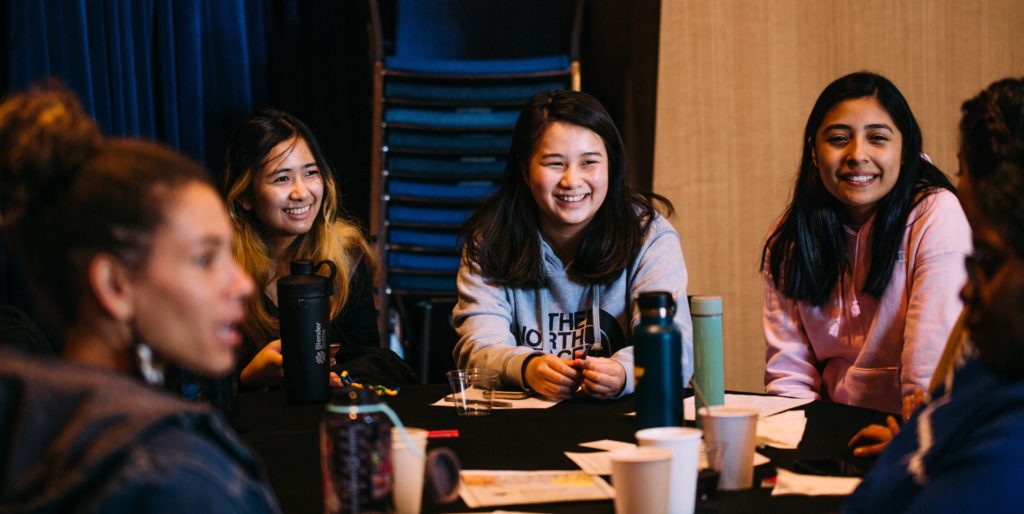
(806, 253)
(501, 236)
(992, 147)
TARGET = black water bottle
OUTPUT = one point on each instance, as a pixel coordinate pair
(657, 350)
(304, 305)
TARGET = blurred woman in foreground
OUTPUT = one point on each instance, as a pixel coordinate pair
(129, 250)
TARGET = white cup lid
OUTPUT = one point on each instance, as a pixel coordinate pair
(640, 454)
(668, 433)
(728, 411)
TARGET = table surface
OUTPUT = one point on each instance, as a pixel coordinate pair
(285, 438)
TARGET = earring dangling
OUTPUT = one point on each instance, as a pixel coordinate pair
(151, 372)
(146, 363)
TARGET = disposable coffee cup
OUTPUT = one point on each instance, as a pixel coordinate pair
(640, 477)
(735, 430)
(407, 469)
(684, 443)
(473, 390)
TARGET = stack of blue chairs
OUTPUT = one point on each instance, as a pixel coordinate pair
(450, 78)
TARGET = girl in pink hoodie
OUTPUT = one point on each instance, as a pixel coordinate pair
(862, 271)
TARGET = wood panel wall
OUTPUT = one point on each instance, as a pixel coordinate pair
(736, 82)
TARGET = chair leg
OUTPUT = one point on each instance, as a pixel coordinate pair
(426, 309)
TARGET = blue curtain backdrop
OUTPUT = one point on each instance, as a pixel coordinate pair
(182, 72)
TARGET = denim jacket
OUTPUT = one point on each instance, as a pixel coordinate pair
(78, 439)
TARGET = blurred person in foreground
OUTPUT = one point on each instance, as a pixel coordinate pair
(128, 247)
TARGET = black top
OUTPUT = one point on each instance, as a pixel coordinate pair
(355, 327)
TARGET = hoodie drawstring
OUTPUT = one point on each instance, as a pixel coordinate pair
(595, 315)
(542, 319)
(855, 306)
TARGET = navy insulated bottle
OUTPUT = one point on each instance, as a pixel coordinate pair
(304, 305)
(657, 350)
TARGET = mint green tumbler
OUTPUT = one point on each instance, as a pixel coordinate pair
(708, 370)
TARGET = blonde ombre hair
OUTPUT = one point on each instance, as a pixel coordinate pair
(332, 237)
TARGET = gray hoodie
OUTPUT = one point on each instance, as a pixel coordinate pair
(499, 327)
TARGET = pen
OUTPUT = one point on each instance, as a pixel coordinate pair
(494, 403)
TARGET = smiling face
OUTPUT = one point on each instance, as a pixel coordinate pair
(189, 295)
(858, 151)
(287, 193)
(568, 177)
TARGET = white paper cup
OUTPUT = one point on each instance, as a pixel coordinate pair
(640, 477)
(736, 429)
(684, 443)
(407, 469)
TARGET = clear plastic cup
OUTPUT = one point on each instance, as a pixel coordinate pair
(473, 390)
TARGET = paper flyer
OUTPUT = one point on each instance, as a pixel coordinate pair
(480, 488)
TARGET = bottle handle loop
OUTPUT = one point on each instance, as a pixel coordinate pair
(330, 278)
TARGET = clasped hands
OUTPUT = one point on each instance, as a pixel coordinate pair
(559, 379)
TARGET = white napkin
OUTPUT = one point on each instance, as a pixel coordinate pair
(608, 445)
(783, 430)
(788, 482)
(768, 405)
(532, 402)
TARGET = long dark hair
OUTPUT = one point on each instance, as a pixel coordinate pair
(69, 194)
(992, 146)
(501, 236)
(806, 253)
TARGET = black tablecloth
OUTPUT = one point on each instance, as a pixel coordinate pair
(285, 437)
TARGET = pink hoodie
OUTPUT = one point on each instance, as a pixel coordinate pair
(866, 351)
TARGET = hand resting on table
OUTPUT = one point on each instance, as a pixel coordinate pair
(872, 439)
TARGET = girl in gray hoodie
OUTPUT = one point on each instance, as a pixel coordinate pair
(554, 262)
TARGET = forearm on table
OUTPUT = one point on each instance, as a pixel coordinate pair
(508, 360)
(790, 367)
(625, 358)
(789, 371)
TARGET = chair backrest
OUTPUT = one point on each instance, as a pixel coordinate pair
(450, 77)
(483, 29)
